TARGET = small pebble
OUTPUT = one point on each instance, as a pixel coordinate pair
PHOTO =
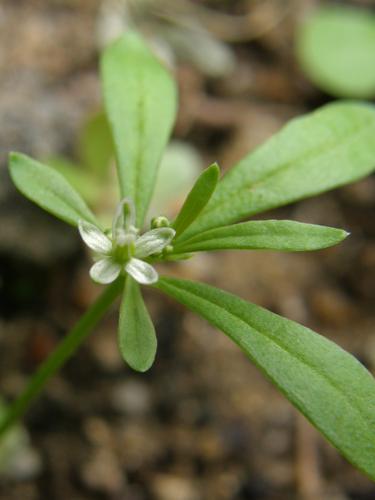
(168, 487)
(132, 398)
(102, 472)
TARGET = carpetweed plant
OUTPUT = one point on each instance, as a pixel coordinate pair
(325, 149)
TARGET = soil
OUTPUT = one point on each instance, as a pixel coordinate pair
(203, 423)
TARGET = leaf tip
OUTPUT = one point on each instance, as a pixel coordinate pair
(342, 234)
(214, 169)
(13, 163)
(13, 157)
(139, 365)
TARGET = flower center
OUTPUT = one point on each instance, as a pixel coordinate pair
(123, 247)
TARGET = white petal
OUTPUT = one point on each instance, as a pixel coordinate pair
(124, 219)
(141, 272)
(153, 241)
(93, 237)
(105, 271)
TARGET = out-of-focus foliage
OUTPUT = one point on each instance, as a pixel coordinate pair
(170, 27)
(336, 49)
(95, 144)
(179, 167)
(17, 458)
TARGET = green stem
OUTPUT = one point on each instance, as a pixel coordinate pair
(66, 348)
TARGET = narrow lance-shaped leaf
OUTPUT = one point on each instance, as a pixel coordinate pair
(47, 188)
(284, 235)
(328, 385)
(140, 100)
(137, 339)
(197, 199)
(320, 151)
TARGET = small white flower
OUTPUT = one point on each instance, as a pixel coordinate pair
(124, 250)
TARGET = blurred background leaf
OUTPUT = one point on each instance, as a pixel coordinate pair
(95, 146)
(336, 49)
(18, 459)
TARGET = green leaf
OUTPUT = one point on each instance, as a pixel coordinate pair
(328, 385)
(95, 144)
(48, 189)
(284, 235)
(140, 100)
(137, 339)
(336, 49)
(312, 154)
(197, 199)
